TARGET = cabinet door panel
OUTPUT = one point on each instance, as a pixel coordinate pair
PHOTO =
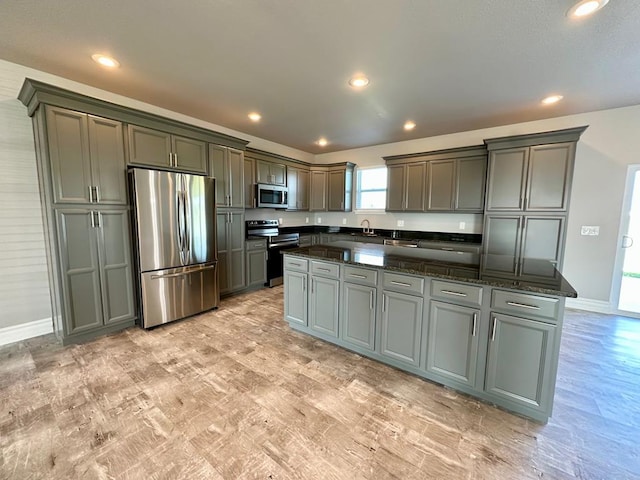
(69, 155)
(519, 361)
(236, 181)
(236, 251)
(318, 200)
(452, 349)
(303, 190)
(358, 319)
(190, 155)
(279, 174)
(108, 164)
(249, 183)
(543, 237)
(336, 191)
(80, 270)
(416, 177)
(323, 311)
(256, 267)
(401, 327)
(471, 181)
(116, 268)
(548, 171)
(502, 243)
(295, 297)
(263, 172)
(149, 147)
(507, 176)
(222, 240)
(441, 184)
(292, 188)
(220, 171)
(396, 187)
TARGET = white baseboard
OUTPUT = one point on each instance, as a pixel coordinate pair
(597, 306)
(16, 333)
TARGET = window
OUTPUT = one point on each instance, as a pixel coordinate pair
(371, 188)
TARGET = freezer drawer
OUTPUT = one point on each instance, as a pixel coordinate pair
(176, 293)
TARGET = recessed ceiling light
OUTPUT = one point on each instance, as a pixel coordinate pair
(409, 125)
(105, 60)
(255, 116)
(322, 142)
(586, 7)
(551, 99)
(358, 81)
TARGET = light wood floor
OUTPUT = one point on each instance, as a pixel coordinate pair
(235, 394)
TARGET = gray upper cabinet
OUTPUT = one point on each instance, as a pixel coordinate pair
(452, 345)
(154, 148)
(227, 167)
(231, 256)
(441, 178)
(502, 237)
(533, 178)
(270, 172)
(470, 184)
(340, 185)
(406, 187)
(249, 183)
(442, 181)
(542, 238)
(298, 188)
(87, 158)
(96, 268)
(318, 194)
(519, 361)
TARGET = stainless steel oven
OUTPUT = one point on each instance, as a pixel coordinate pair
(276, 243)
(271, 196)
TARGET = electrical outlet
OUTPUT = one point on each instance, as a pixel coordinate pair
(400, 223)
(590, 230)
(319, 220)
(344, 221)
(462, 225)
(280, 221)
(306, 219)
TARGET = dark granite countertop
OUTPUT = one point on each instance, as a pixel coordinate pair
(474, 238)
(465, 268)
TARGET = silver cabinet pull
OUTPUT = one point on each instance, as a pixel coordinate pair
(311, 285)
(295, 264)
(384, 302)
(98, 219)
(475, 321)
(448, 249)
(170, 159)
(175, 159)
(356, 275)
(323, 269)
(370, 299)
(493, 333)
(90, 187)
(401, 284)
(304, 284)
(523, 305)
(451, 292)
(96, 193)
(92, 220)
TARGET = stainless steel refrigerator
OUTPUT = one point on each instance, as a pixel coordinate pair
(175, 230)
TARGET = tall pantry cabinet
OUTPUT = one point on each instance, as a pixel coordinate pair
(527, 201)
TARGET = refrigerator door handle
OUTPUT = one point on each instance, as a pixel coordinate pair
(185, 272)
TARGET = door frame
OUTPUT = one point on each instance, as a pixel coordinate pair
(616, 284)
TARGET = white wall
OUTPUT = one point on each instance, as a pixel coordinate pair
(609, 145)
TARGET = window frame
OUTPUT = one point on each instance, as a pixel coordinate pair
(358, 191)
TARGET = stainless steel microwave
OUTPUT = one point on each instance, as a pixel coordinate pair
(271, 196)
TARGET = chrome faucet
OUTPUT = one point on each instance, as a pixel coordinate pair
(366, 230)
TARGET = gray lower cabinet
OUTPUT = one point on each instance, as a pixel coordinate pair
(358, 315)
(96, 269)
(323, 305)
(231, 259)
(295, 297)
(519, 361)
(401, 324)
(87, 159)
(256, 262)
(155, 148)
(452, 342)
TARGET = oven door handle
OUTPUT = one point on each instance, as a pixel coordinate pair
(283, 244)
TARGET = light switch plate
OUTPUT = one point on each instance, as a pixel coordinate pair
(400, 223)
(280, 221)
(344, 221)
(462, 225)
(306, 219)
(590, 230)
(319, 220)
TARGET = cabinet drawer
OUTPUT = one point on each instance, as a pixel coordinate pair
(363, 276)
(260, 244)
(403, 283)
(296, 263)
(525, 305)
(456, 292)
(325, 269)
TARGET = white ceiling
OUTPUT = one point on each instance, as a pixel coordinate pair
(449, 65)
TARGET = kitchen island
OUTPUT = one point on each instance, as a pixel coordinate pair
(452, 320)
